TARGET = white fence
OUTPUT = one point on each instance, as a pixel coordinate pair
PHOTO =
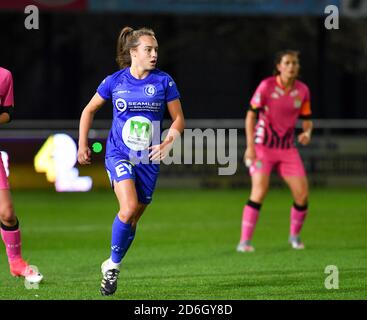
(336, 156)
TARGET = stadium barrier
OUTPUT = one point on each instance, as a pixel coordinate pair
(209, 155)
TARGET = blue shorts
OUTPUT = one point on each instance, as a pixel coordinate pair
(144, 175)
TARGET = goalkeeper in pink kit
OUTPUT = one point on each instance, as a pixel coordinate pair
(10, 232)
(278, 102)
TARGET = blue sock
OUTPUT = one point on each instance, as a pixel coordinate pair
(129, 241)
(120, 239)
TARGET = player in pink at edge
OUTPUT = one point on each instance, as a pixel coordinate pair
(279, 101)
(10, 232)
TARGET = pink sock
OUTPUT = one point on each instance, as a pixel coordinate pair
(298, 216)
(249, 219)
(12, 243)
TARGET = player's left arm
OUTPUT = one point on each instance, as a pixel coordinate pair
(4, 115)
(305, 137)
(7, 102)
(307, 125)
(159, 152)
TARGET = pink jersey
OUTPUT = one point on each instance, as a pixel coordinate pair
(6, 100)
(6, 88)
(279, 111)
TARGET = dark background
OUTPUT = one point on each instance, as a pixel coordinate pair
(216, 61)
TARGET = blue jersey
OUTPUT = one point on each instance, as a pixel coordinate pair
(138, 110)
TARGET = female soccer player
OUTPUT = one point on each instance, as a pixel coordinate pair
(278, 101)
(139, 94)
(10, 232)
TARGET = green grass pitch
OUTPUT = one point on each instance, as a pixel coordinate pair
(185, 246)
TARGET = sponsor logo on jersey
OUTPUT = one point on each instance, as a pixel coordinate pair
(275, 95)
(280, 91)
(257, 98)
(137, 133)
(120, 104)
(294, 93)
(123, 169)
(123, 91)
(150, 90)
(145, 103)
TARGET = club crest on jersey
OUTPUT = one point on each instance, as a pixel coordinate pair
(120, 104)
(150, 90)
(297, 103)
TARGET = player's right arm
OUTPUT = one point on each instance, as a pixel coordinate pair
(305, 114)
(257, 102)
(86, 119)
(250, 122)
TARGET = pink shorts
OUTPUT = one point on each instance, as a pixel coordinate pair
(287, 162)
(4, 184)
